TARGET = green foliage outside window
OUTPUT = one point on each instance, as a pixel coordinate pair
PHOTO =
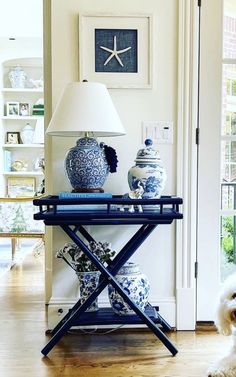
(231, 87)
(227, 240)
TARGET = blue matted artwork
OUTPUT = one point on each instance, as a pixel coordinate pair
(116, 50)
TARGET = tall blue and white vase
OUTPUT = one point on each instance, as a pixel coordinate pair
(135, 284)
(88, 282)
(148, 170)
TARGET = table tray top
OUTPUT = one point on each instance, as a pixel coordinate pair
(104, 211)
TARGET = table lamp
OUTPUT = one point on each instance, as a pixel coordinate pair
(85, 109)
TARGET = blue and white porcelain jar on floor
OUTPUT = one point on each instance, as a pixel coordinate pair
(88, 282)
(149, 171)
(135, 284)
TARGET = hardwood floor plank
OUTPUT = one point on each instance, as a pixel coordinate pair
(117, 354)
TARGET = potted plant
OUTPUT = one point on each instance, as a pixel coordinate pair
(85, 270)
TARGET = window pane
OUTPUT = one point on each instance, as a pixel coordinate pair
(228, 161)
(228, 245)
(229, 99)
(228, 196)
(229, 29)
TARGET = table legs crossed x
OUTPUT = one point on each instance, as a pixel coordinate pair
(107, 277)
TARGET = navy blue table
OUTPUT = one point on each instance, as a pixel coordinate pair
(71, 216)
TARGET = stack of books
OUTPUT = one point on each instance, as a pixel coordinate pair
(82, 195)
(38, 109)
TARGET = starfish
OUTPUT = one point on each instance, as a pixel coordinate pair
(114, 52)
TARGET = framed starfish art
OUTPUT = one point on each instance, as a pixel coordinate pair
(116, 50)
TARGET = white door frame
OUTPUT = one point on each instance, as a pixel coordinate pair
(187, 165)
(208, 252)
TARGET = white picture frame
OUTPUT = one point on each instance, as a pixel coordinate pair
(12, 109)
(24, 109)
(18, 187)
(131, 34)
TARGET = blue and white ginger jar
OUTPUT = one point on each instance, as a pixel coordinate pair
(86, 165)
(149, 171)
(135, 284)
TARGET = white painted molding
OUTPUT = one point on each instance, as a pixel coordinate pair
(186, 164)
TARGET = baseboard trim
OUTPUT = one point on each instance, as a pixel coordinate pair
(185, 298)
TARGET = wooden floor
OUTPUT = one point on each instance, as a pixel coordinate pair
(118, 354)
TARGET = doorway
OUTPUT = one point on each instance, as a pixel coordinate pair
(216, 252)
(21, 44)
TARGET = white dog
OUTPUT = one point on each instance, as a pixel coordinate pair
(226, 324)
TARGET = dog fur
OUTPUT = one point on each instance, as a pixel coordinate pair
(226, 325)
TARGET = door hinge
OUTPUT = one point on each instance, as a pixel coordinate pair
(199, 3)
(197, 135)
(196, 270)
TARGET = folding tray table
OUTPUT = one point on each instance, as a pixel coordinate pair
(71, 216)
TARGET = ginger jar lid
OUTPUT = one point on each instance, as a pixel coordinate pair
(147, 154)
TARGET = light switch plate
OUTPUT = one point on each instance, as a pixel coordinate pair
(159, 131)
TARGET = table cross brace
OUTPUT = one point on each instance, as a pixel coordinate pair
(107, 277)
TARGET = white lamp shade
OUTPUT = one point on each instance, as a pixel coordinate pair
(85, 107)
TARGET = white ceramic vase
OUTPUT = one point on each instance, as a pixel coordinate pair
(27, 134)
(17, 77)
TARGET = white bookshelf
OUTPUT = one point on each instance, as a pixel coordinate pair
(30, 94)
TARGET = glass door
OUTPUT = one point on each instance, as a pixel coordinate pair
(228, 144)
(216, 252)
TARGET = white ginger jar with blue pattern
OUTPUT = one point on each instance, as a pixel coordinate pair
(135, 284)
(86, 164)
(149, 171)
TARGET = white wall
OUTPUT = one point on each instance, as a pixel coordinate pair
(157, 255)
(22, 18)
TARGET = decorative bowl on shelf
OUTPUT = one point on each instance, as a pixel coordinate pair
(19, 165)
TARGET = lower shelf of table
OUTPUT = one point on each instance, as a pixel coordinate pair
(106, 316)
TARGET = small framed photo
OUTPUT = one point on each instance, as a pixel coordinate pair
(24, 109)
(13, 138)
(116, 49)
(20, 187)
(12, 109)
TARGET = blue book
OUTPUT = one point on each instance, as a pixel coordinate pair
(7, 160)
(83, 195)
(83, 207)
